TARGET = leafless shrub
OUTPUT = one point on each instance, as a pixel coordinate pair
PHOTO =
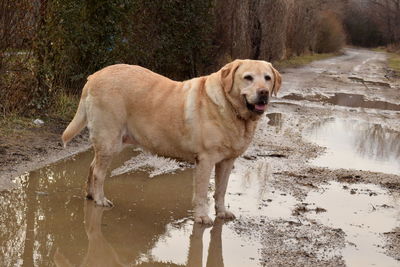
(331, 36)
(302, 27)
(271, 20)
(386, 13)
(394, 48)
(251, 29)
(373, 22)
(233, 29)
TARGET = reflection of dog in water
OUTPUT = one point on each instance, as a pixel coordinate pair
(101, 253)
(214, 258)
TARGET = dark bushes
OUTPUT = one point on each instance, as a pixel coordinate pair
(171, 37)
(302, 30)
(75, 39)
(373, 23)
(17, 77)
(361, 29)
(81, 37)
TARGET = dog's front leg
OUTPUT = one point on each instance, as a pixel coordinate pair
(222, 172)
(201, 181)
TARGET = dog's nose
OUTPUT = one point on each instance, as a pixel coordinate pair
(263, 96)
(263, 92)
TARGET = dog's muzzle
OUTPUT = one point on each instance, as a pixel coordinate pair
(260, 104)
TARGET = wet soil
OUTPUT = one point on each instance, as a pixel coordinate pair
(319, 186)
(29, 146)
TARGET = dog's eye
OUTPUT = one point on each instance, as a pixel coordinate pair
(267, 77)
(248, 77)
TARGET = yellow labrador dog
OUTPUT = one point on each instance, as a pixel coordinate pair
(208, 120)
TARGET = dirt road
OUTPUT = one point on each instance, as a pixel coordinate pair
(319, 186)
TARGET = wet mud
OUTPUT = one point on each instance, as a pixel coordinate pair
(319, 186)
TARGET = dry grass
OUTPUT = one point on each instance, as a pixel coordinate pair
(62, 110)
(64, 106)
(393, 53)
(14, 125)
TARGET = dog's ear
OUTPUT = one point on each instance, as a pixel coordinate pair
(228, 75)
(277, 81)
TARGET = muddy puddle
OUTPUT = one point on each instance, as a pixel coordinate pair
(46, 220)
(346, 100)
(356, 144)
(365, 212)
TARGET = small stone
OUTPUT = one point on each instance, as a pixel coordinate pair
(38, 122)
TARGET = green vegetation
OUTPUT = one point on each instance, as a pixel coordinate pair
(393, 54)
(394, 62)
(78, 38)
(14, 124)
(302, 60)
(64, 106)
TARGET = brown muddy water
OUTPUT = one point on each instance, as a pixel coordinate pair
(356, 144)
(46, 220)
(364, 212)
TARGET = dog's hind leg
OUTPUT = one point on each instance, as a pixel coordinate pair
(106, 143)
(102, 160)
(106, 124)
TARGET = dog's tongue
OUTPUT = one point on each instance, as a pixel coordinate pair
(260, 107)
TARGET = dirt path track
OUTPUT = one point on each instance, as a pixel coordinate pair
(319, 186)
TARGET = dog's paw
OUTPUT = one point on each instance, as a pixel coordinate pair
(104, 202)
(206, 220)
(227, 215)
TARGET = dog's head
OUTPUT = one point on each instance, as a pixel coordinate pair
(249, 85)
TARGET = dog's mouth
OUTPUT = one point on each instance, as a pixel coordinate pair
(259, 107)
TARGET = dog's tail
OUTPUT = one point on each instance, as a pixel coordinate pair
(78, 122)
